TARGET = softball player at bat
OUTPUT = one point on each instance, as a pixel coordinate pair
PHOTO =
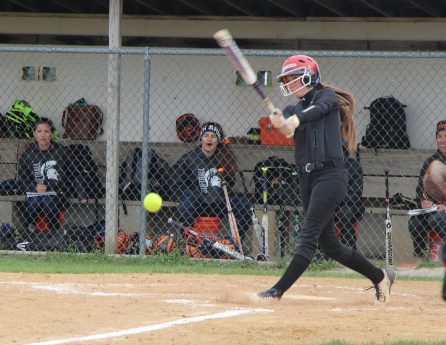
(320, 120)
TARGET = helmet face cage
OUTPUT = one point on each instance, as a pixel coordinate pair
(305, 67)
(304, 76)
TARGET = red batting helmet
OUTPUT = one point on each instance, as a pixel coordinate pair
(302, 65)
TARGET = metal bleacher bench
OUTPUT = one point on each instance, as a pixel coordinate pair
(403, 166)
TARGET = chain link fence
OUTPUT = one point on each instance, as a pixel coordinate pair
(92, 172)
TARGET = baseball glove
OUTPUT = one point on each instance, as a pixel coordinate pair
(122, 241)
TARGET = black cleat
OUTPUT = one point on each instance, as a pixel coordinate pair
(271, 294)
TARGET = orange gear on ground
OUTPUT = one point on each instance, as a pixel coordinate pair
(165, 244)
(122, 242)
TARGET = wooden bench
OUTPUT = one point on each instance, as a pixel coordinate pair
(403, 166)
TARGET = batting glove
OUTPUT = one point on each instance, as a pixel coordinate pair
(277, 119)
(290, 126)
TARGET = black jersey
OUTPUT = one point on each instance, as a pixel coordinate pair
(42, 166)
(320, 139)
(195, 173)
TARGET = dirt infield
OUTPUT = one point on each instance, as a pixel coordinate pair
(203, 309)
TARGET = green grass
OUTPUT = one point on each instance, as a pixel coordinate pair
(101, 263)
(173, 263)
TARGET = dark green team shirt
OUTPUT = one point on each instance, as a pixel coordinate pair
(318, 139)
(196, 174)
(46, 166)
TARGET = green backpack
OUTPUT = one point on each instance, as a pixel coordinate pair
(21, 120)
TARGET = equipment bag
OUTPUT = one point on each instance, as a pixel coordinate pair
(83, 238)
(196, 247)
(8, 239)
(82, 121)
(387, 128)
(131, 172)
(82, 178)
(42, 241)
(282, 182)
(3, 127)
(8, 187)
(20, 120)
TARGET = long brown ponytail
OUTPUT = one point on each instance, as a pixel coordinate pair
(227, 160)
(347, 106)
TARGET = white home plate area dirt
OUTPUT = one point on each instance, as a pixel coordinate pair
(211, 309)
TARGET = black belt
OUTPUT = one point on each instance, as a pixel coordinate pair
(317, 165)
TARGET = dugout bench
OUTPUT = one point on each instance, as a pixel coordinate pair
(402, 164)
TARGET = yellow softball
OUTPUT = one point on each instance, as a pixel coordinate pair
(153, 202)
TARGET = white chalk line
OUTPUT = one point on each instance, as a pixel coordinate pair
(155, 327)
(66, 288)
(71, 289)
(76, 289)
(204, 304)
(124, 285)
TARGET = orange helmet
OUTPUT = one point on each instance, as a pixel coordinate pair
(188, 128)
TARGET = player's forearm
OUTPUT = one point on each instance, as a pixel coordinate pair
(310, 114)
